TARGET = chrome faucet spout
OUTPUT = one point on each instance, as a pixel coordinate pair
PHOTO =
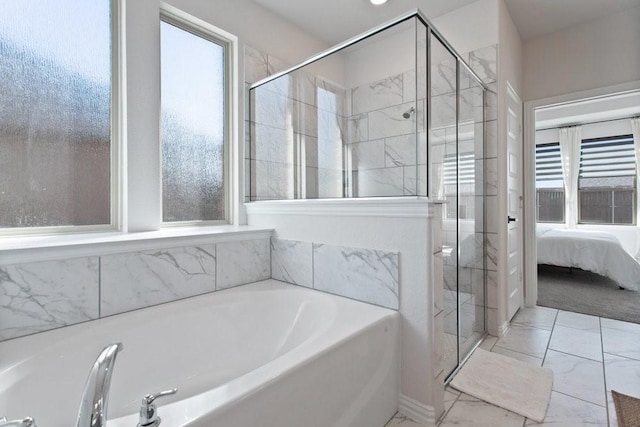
(95, 397)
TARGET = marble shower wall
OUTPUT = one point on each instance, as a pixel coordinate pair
(366, 275)
(382, 148)
(40, 296)
(294, 133)
(484, 62)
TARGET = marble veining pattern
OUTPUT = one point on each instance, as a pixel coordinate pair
(140, 279)
(390, 122)
(45, 295)
(292, 262)
(242, 262)
(358, 128)
(400, 150)
(379, 94)
(484, 62)
(365, 274)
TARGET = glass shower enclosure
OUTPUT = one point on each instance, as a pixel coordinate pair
(394, 112)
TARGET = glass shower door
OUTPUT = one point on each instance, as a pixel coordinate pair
(457, 178)
(444, 171)
(471, 289)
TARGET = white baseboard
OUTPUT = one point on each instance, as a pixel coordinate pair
(503, 329)
(418, 412)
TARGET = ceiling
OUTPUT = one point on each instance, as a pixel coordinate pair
(337, 20)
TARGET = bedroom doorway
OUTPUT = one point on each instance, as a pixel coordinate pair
(514, 201)
(586, 139)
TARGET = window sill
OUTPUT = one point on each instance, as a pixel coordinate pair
(15, 250)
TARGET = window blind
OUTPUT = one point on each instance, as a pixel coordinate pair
(607, 163)
(549, 166)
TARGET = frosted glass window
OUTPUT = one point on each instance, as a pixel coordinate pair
(55, 115)
(192, 126)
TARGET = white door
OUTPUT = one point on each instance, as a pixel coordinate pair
(514, 201)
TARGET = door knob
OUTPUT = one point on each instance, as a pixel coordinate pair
(510, 219)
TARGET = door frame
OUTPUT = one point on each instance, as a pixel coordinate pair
(511, 93)
(529, 178)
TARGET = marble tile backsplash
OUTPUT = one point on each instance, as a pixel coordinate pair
(242, 262)
(367, 275)
(39, 296)
(141, 279)
(364, 274)
(292, 262)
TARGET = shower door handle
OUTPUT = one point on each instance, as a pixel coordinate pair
(510, 219)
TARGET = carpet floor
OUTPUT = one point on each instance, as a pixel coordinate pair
(585, 292)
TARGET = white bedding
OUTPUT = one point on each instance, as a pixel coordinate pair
(596, 251)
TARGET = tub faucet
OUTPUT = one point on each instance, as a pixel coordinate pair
(95, 397)
(27, 422)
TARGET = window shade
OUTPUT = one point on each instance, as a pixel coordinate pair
(549, 166)
(607, 163)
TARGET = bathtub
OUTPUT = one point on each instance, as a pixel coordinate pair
(266, 354)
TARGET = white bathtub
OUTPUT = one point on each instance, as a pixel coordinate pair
(267, 354)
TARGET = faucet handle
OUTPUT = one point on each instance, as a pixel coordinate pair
(149, 398)
(149, 412)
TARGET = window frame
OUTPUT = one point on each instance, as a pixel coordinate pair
(207, 31)
(116, 113)
(634, 189)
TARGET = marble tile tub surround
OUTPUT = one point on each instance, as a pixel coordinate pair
(367, 275)
(141, 279)
(39, 296)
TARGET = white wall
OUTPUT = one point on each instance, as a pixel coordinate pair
(590, 55)
(381, 56)
(509, 51)
(471, 27)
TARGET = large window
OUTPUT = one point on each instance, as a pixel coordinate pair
(55, 114)
(549, 183)
(193, 123)
(607, 181)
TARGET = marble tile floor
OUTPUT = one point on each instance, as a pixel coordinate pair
(589, 355)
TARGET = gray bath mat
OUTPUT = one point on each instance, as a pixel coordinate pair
(506, 382)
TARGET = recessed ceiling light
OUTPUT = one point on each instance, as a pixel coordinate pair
(378, 2)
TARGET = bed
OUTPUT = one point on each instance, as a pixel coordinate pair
(596, 251)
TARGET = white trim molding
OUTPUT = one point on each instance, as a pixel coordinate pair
(418, 412)
(396, 207)
(48, 248)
